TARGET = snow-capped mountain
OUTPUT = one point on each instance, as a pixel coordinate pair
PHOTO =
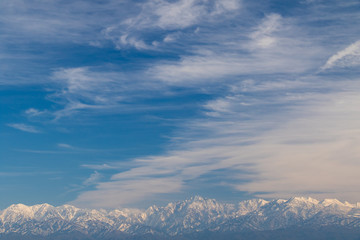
(195, 215)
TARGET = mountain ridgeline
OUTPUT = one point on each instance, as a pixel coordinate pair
(195, 218)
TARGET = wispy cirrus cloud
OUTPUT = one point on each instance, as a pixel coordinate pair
(163, 16)
(99, 166)
(93, 179)
(276, 45)
(85, 89)
(263, 35)
(24, 127)
(348, 57)
(57, 21)
(65, 145)
(27, 24)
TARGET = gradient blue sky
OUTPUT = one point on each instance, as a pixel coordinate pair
(120, 103)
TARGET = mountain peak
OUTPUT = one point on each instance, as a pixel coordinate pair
(327, 202)
(303, 200)
(19, 208)
(197, 198)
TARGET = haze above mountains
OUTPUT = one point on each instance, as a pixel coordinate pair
(195, 218)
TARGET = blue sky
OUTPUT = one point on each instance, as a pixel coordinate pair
(115, 103)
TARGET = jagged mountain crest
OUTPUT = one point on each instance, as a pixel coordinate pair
(183, 217)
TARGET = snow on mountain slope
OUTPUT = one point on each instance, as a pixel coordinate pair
(193, 215)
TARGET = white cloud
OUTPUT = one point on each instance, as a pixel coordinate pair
(65, 145)
(86, 89)
(98, 166)
(348, 57)
(57, 21)
(125, 40)
(226, 5)
(215, 66)
(184, 13)
(83, 89)
(307, 151)
(263, 36)
(313, 154)
(308, 148)
(93, 179)
(171, 37)
(33, 112)
(221, 106)
(78, 80)
(276, 45)
(164, 15)
(24, 127)
(116, 194)
(179, 14)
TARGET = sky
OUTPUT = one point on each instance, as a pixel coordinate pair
(119, 103)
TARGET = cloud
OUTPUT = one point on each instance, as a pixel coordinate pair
(57, 21)
(263, 35)
(225, 55)
(313, 154)
(80, 89)
(64, 145)
(184, 13)
(214, 66)
(179, 14)
(99, 166)
(93, 179)
(32, 27)
(126, 192)
(32, 112)
(348, 57)
(125, 40)
(204, 56)
(100, 91)
(268, 134)
(276, 45)
(307, 151)
(171, 37)
(24, 127)
(275, 147)
(163, 16)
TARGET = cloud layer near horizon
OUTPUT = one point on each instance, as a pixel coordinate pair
(308, 150)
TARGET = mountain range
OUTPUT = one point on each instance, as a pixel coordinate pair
(195, 218)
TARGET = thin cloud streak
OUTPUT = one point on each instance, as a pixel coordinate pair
(348, 57)
(24, 127)
(99, 166)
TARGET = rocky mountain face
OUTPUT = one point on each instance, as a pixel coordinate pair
(196, 218)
